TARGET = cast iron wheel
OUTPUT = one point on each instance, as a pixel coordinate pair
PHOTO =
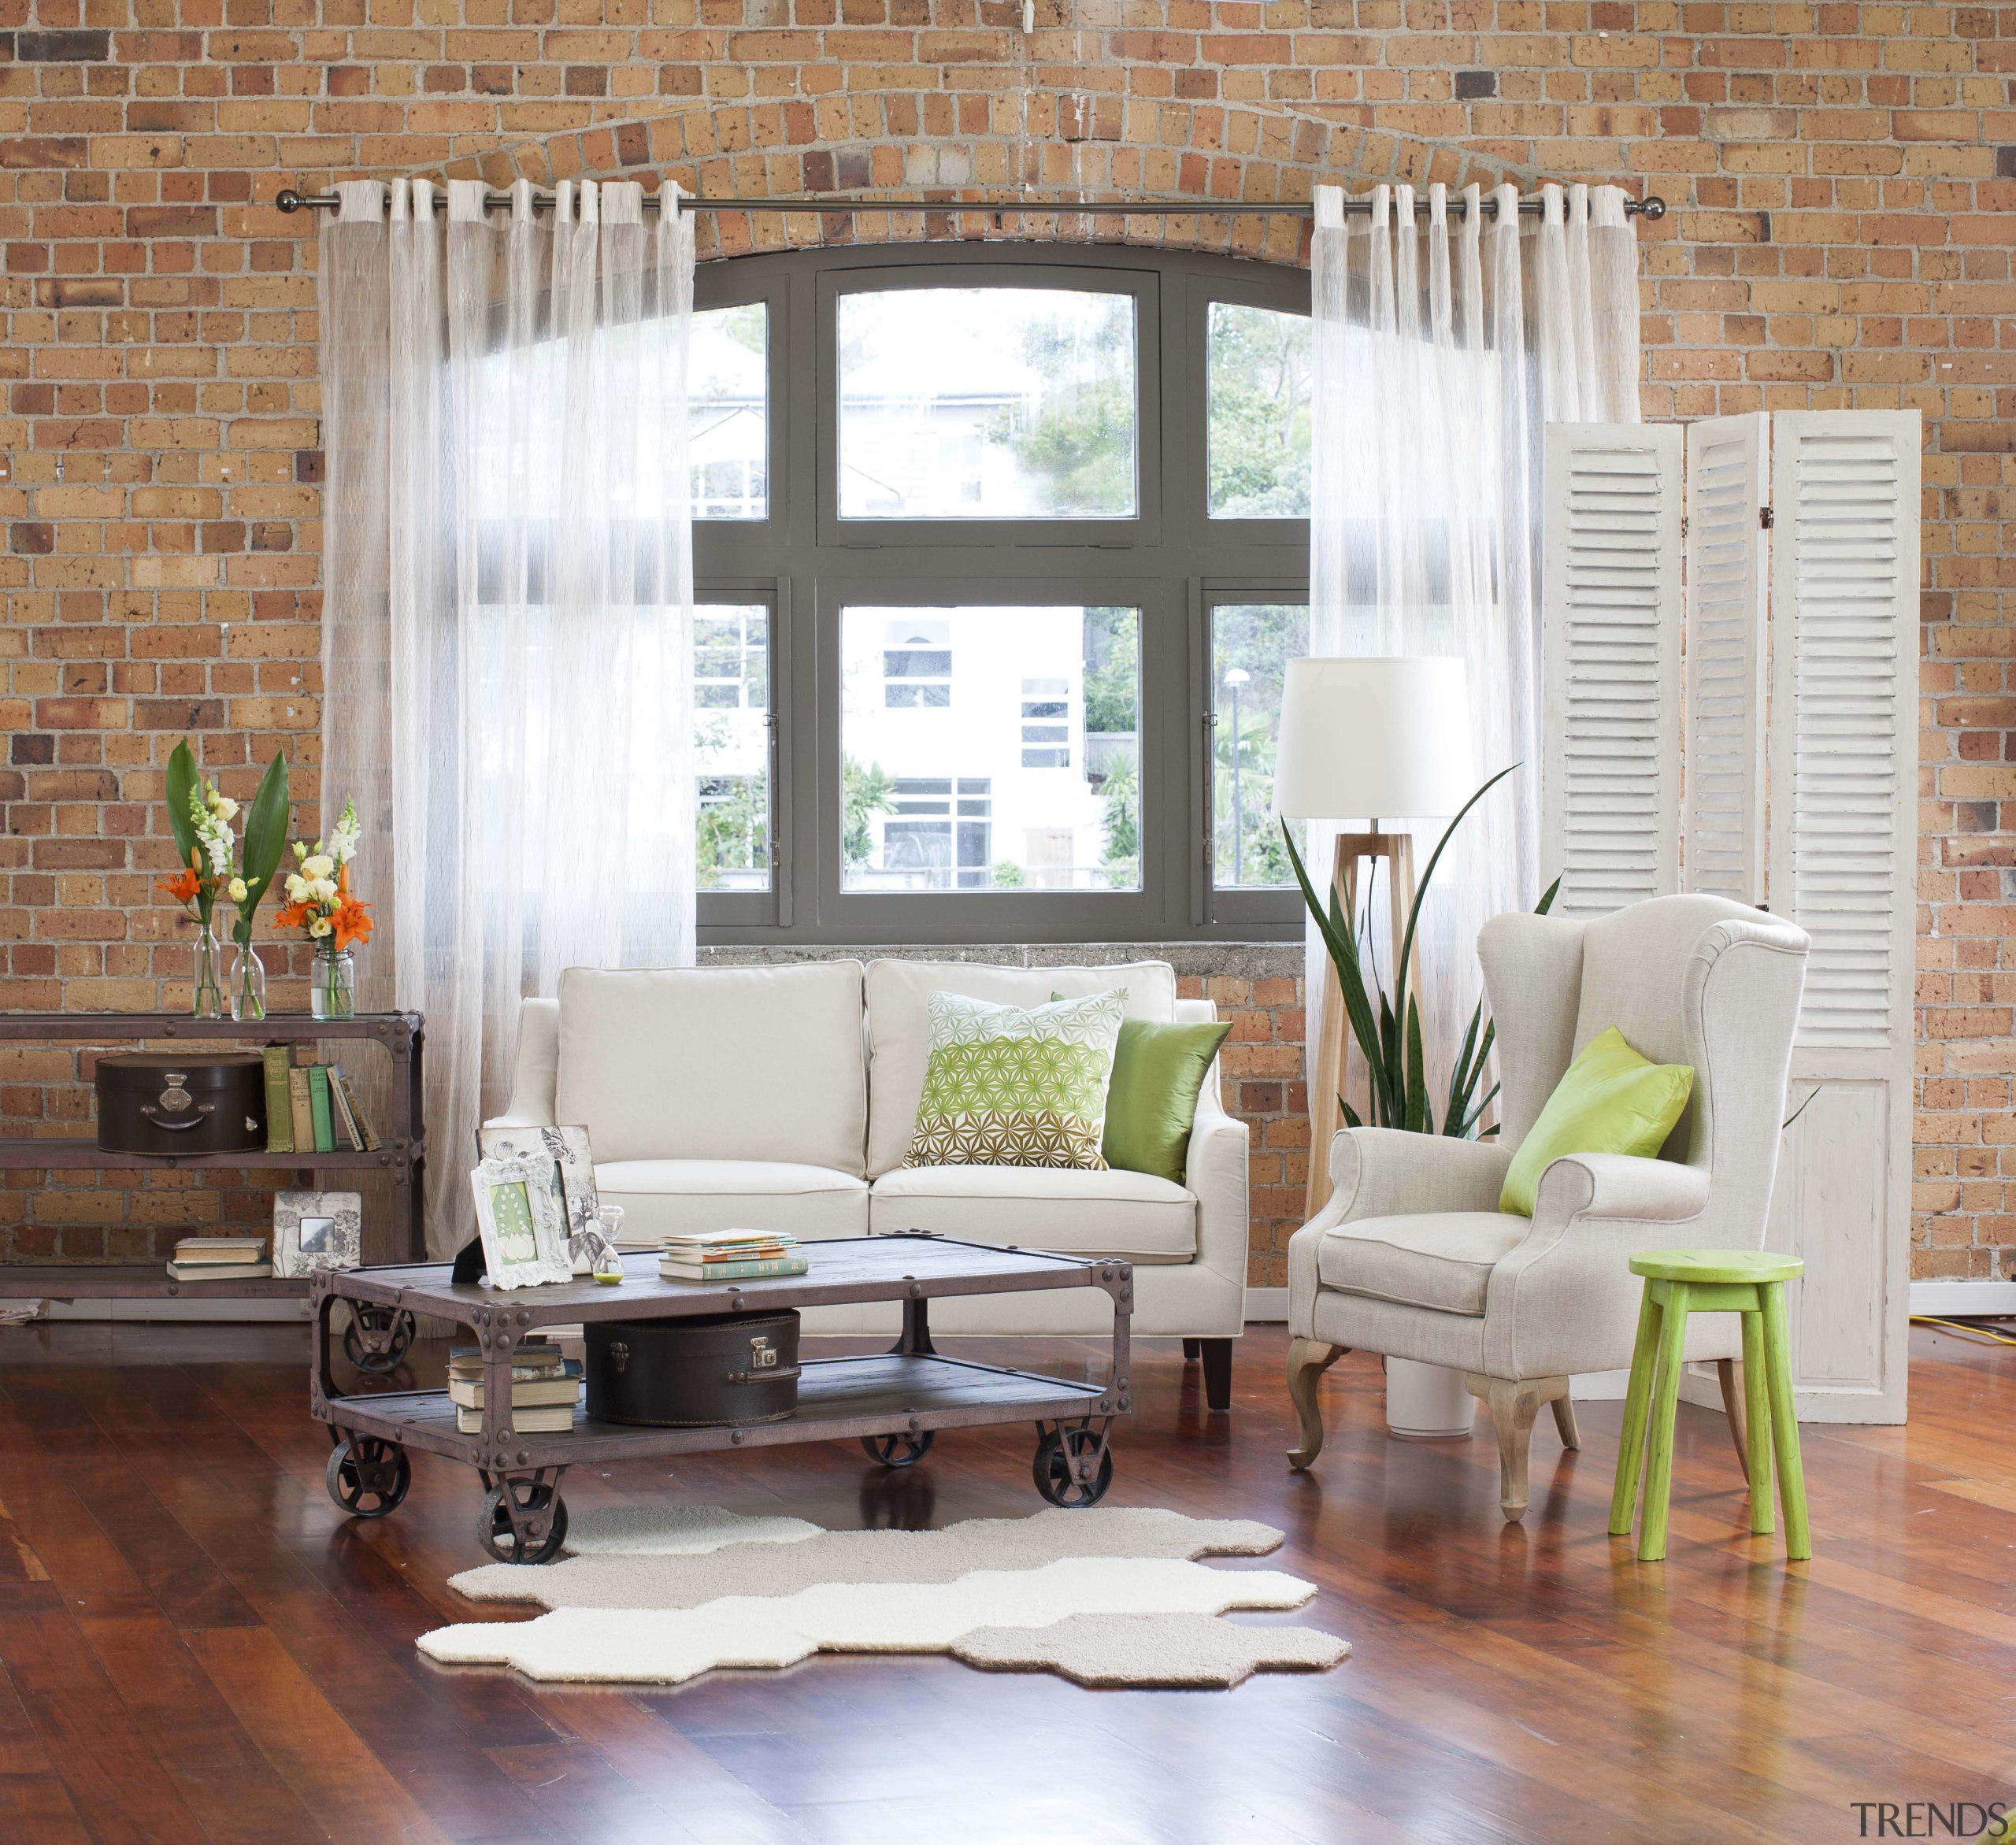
(901, 1450)
(493, 1524)
(368, 1476)
(1053, 1471)
(396, 1322)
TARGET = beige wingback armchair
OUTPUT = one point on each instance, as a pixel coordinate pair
(1412, 1257)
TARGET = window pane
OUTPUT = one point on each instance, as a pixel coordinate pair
(729, 394)
(1251, 644)
(1258, 381)
(1016, 765)
(987, 403)
(731, 736)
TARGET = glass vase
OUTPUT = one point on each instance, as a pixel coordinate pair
(332, 984)
(208, 1000)
(246, 982)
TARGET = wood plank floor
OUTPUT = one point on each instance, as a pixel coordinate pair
(195, 1646)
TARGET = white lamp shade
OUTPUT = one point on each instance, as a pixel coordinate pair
(1384, 738)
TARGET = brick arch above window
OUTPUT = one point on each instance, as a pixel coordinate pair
(949, 149)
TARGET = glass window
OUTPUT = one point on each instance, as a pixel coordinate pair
(1020, 770)
(987, 403)
(1251, 644)
(727, 390)
(732, 740)
(1258, 372)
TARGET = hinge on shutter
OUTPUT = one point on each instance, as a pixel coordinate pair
(1683, 525)
(1764, 518)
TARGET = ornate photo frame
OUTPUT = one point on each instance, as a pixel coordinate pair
(573, 1178)
(522, 1222)
(315, 1230)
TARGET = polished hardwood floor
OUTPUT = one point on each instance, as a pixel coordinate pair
(197, 1647)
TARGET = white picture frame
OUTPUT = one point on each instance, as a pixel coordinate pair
(317, 1230)
(574, 1181)
(522, 1222)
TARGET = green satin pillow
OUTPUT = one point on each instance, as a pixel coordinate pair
(1611, 1100)
(1158, 1072)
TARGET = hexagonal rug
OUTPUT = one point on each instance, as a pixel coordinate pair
(1105, 1597)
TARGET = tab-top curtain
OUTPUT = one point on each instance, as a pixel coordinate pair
(507, 609)
(1445, 341)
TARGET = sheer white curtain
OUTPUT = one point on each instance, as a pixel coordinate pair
(1445, 341)
(507, 629)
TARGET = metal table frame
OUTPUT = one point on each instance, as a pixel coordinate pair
(908, 1391)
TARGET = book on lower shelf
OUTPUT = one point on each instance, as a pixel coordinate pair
(545, 1388)
(219, 1259)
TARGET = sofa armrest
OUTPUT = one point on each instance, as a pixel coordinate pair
(1214, 1172)
(1386, 1172)
(536, 1078)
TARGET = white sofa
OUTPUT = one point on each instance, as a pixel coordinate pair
(783, 1097)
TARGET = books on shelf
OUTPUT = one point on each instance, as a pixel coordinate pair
(312, 1108)
(729, 1255)
(219, 1259)
(545, 1388)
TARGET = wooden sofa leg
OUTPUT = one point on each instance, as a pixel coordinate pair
(1193, 1350)
(1217, 1355)
(1513, 1405)
(1308, 1359)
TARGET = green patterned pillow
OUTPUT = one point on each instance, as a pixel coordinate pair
(1011, 1085)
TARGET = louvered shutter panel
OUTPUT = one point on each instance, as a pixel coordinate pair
(1844, 747)
(1722, 842)
(1610, 782)
(1843, 810)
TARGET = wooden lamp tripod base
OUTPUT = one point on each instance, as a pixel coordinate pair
(1354, 850)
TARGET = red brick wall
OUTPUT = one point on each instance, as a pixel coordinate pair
(1842, 174)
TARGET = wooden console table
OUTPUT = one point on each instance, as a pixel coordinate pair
(403, 1154)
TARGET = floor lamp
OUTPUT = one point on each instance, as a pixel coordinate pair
(1389, 737)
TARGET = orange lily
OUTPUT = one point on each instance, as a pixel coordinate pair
(353, 922)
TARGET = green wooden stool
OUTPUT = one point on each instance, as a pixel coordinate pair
(1682, 1281)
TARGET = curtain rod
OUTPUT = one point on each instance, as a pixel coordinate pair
(1652, 208)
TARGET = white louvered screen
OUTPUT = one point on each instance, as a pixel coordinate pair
(1844, 589)
(1722, 844)
(1609, 783)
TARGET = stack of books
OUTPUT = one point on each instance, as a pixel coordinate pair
(729, 1255)
(311, 1108)
(544, 1389)
(219, 1259)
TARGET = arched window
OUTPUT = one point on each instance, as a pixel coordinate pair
(999, 552)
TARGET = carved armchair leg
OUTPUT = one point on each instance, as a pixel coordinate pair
(1513, 1405)
(1564, 1420)
(1728, 1373)
(1308, 1359)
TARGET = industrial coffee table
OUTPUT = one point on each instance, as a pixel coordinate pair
(893, 1400)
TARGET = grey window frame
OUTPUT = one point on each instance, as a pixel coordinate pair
(1172, 562)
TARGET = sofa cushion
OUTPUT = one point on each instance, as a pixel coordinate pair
(1438, 1259)
(1014, 1086)
(735, 1063)
(899, 1029)
(659, 1197)
(1133, 1215)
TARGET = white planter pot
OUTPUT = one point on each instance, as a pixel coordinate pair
(1424, 1402)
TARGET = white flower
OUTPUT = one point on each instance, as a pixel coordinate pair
(300, 849)
(224, 807)
(236, 890)
(219, 848)
(318, 865)
(321, 890)
(321, 926)
(297, 887)
(343, 841)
